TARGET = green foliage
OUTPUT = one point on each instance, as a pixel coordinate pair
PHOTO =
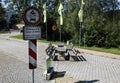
(101, 33)
(2, 12)
(70, 22)
(17, 36)
(13, 20)
(112, 35)
(101, 21)
(110, 50)
(3, 23)
(102, 25)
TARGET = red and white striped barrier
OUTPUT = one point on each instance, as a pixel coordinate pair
(32, 54)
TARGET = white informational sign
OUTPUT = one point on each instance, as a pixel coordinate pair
(31, 33)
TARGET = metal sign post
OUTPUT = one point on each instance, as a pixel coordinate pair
(33, 76)
(80, 34)
(32, 32)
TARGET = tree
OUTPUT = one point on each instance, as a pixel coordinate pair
(70, 21)
(13, 20)
(2, 12)
(2, 18)
(102, 23)
(101, 20)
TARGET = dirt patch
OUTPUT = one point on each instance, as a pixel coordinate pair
(65, 79)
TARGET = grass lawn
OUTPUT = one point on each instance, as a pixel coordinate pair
(4, 32)
(17, 36)
(44, 41)
(110, 50)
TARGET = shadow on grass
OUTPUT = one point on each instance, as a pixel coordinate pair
(91, 81)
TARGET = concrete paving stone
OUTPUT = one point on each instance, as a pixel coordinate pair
(13, 70)
(14, 65)
(105, 70)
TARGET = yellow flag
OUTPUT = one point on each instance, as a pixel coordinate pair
(60, 13)
(44, 12)
(80, 13)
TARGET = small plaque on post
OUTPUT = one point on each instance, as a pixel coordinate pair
(31, 33)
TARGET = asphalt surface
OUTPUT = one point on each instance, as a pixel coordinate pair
(14, 65)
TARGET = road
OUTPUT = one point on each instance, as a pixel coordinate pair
(14, 61)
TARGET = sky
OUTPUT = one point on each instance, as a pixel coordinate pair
(3, 4)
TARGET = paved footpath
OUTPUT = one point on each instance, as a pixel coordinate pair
(14, 61)
(95, 69)
(14, 65)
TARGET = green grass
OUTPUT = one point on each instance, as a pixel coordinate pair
(43, 40)
(4, 32)
(107, 50)
(110, 50)
(17, 36)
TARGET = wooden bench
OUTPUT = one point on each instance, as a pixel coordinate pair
(73, 53)
(70, 47)
(50, 50)
(61, 45)
(60, 53)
